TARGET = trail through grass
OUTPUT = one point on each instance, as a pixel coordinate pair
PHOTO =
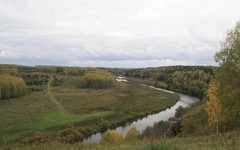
(59, 106)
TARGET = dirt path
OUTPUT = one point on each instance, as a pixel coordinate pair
(59, 106)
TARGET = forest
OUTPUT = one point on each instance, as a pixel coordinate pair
(193, 80)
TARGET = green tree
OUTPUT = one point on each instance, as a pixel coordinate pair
(228, 75)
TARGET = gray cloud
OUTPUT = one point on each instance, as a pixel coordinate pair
(121, 33)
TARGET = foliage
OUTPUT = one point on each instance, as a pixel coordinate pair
(37, 138)
(193, 80)
(35, 78)
(96, 79)
(61, 70)
(56, 81)
(111, 137)
(225, 141)
(9, 71)
(180, 111)
(158, 130)
(214, 108)
(187, 124)
(132, 134)
(228, 76)
(69, 135)
(114, 137)
(76, 71)
(54, 69)
(11, 86)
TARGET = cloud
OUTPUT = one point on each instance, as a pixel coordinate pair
(120, 33)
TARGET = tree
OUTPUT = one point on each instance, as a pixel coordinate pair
(214, 108)
(228, 75)
(132, 134)
(111, 137)
(187, 124)
(180, 111)
(11, 86)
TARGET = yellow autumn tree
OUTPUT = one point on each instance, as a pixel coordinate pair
(111, 137)
(132, 134)
(214, 108)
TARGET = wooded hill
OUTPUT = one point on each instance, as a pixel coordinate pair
(192, 80)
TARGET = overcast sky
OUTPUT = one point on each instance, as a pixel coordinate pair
(114, 33)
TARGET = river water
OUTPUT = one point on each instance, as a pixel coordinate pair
(141, 124)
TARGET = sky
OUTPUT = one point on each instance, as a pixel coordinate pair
(114, 33)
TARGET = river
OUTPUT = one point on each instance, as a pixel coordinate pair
(141, 124)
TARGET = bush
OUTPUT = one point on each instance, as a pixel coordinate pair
(56, 81)
(180, 111)
(35, 78)
(158, 130)
(37, 138)
(187, 125)
(69, 135)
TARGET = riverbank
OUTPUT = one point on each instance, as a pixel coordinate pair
(142, 124)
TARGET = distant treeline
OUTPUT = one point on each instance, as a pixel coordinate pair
(60, 70)
(193, 80)
(11, 84)
(84, 77)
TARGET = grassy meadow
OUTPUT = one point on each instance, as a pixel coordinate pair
(88, 110)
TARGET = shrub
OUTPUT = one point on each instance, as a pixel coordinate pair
(158, 130)
(69, 135)
(187, 125)
(180, 111)
(38, 137)
(57, 82)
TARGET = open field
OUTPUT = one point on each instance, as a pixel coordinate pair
(87, 110)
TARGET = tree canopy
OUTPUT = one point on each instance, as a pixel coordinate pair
(228, 75)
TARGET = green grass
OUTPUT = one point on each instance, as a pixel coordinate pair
(225, 141)
(124, 98)
(87, 110)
